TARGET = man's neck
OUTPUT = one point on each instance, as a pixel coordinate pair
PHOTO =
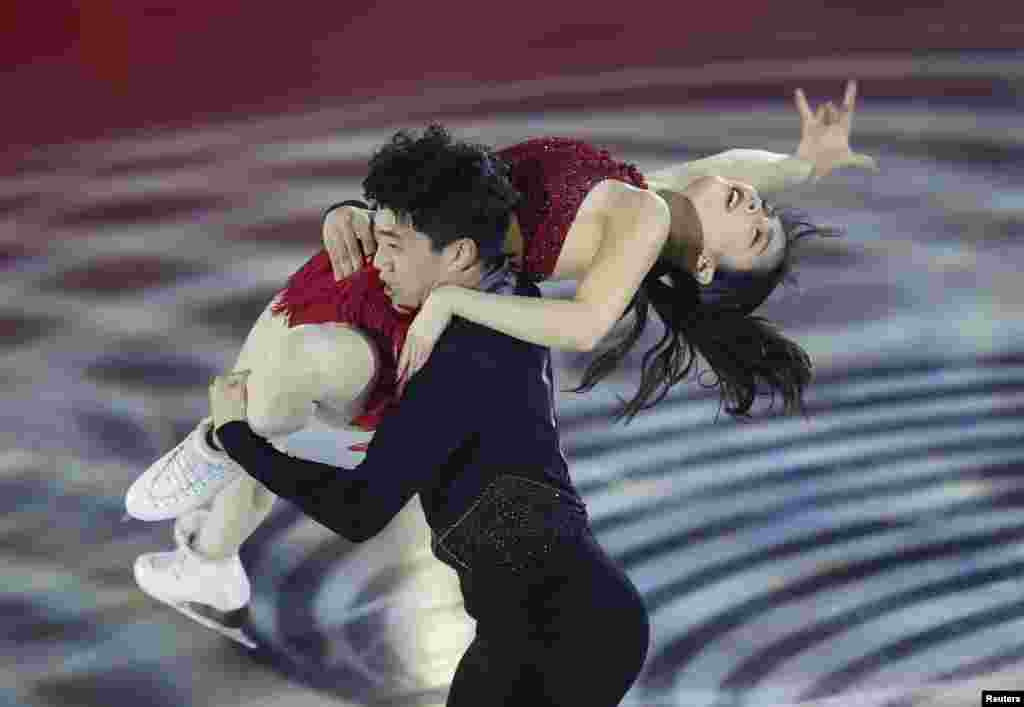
(470, 279)
(480, 277)
(494, 278)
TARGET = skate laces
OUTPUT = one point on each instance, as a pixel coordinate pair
(173, 561)
(180, 464)
(175, 474)
(189, 474)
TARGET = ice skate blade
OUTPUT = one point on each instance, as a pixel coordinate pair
(227, 624)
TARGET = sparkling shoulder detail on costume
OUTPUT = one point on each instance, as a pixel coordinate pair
(554, 176)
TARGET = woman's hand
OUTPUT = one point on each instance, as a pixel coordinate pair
(348, 238)
(227, 398)
(825, 134)
(425, 330)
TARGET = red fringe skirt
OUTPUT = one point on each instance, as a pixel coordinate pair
(312, 296)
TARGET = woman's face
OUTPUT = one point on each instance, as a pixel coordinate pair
(739, 234)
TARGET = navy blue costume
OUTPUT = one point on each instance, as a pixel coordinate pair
(476, 435)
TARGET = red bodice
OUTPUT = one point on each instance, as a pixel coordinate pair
(554, 175)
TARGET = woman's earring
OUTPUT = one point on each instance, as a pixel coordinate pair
(705, 271)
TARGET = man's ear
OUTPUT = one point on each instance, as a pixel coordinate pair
(465, 255)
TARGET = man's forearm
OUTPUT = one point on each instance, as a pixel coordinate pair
(327, 494)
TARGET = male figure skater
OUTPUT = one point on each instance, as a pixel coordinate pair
(476, 436)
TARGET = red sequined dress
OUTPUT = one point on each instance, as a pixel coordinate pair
(552, 174)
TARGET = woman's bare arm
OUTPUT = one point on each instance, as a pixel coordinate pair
(763, 170)
(629, 227)
(824, 146)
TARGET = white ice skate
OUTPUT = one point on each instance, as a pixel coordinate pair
(213, 593)
(182, 480)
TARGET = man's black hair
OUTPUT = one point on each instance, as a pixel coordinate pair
(447, 189)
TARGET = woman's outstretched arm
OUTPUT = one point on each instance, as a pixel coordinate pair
(824, 146)
(765, 171)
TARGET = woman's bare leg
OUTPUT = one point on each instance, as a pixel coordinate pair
(331, 364)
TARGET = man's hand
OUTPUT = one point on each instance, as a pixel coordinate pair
(825, 134)
(228, 397)
(348, 239)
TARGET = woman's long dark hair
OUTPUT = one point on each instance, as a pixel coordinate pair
(745, 352)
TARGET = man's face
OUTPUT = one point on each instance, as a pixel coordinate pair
(408, 266)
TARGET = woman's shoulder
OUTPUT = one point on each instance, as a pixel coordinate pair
(614, 196)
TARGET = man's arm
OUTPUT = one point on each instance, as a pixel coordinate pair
(434, 418)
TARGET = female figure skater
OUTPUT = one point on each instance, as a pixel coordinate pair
(330, 348)
(725, 252)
